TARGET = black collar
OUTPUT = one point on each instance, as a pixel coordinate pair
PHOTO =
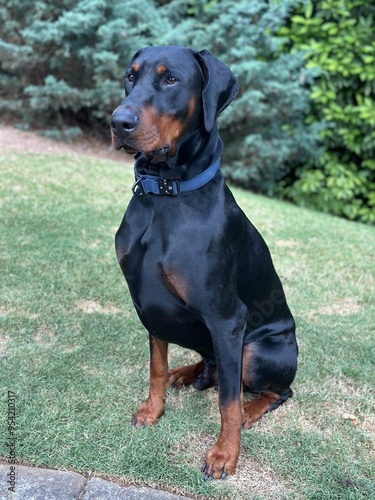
(147, 184)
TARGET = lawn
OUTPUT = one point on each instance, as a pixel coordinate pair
(76, 356)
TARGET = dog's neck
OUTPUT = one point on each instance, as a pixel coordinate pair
(192, 157)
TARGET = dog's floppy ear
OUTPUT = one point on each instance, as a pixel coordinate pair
(220, 87)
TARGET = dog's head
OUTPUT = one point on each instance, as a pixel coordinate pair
(170, 93)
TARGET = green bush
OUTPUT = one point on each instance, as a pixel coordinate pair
(338, 37)
(264, 129)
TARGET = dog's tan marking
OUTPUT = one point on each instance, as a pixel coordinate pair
(151, 409)
(192, 105)
(175, 283)
(155, 131)
(253, 410)
(161, 69)
(222, 458)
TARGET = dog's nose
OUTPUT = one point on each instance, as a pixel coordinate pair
(123, 120)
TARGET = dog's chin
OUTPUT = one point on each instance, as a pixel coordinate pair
(128, 149)
(155, 153)
(118, 144)
(132, 149)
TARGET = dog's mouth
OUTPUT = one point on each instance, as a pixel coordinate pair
(132, 148)
(118, 143)
(128, 149)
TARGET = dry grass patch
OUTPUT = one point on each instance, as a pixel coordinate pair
(255, 479)
(344, 409)
(4, 339)
(43, 336)
(287, 243)
(346, 306)
(4, 311)
(91, 306)
(252, 479)
(92, 371)
(341, 307)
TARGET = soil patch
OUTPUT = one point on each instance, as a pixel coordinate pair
(93, 144)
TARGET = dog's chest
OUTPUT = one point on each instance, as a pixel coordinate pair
(161, 279)
(154, 258)
(169, 250)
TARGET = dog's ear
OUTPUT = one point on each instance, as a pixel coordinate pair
(220, 87)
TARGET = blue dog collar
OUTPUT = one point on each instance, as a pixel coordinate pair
(145, 184)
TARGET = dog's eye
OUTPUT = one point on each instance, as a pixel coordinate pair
(171, 80)
(130, 77)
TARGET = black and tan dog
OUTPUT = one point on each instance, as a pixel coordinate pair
(199, 273)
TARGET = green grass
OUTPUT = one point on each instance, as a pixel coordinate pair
(76, 355)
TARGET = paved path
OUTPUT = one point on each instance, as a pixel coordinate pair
(43, 484)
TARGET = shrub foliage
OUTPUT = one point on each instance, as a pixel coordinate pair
(338, 37)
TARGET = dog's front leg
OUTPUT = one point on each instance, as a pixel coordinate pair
(221, 459)
(151, 409)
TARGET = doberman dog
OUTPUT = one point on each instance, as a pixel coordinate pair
(199, 273)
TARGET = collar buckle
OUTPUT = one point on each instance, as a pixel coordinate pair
(170, 187)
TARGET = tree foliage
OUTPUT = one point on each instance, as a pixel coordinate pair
(338, 37)
(62, 63)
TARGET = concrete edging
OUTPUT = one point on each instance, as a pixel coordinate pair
(32, 483)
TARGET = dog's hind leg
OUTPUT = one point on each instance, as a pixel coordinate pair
(266, 402)
(202, 375)
(268, 369)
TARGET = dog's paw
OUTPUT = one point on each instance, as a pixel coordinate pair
(184, 375)
(220, 462)
(147, 414)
